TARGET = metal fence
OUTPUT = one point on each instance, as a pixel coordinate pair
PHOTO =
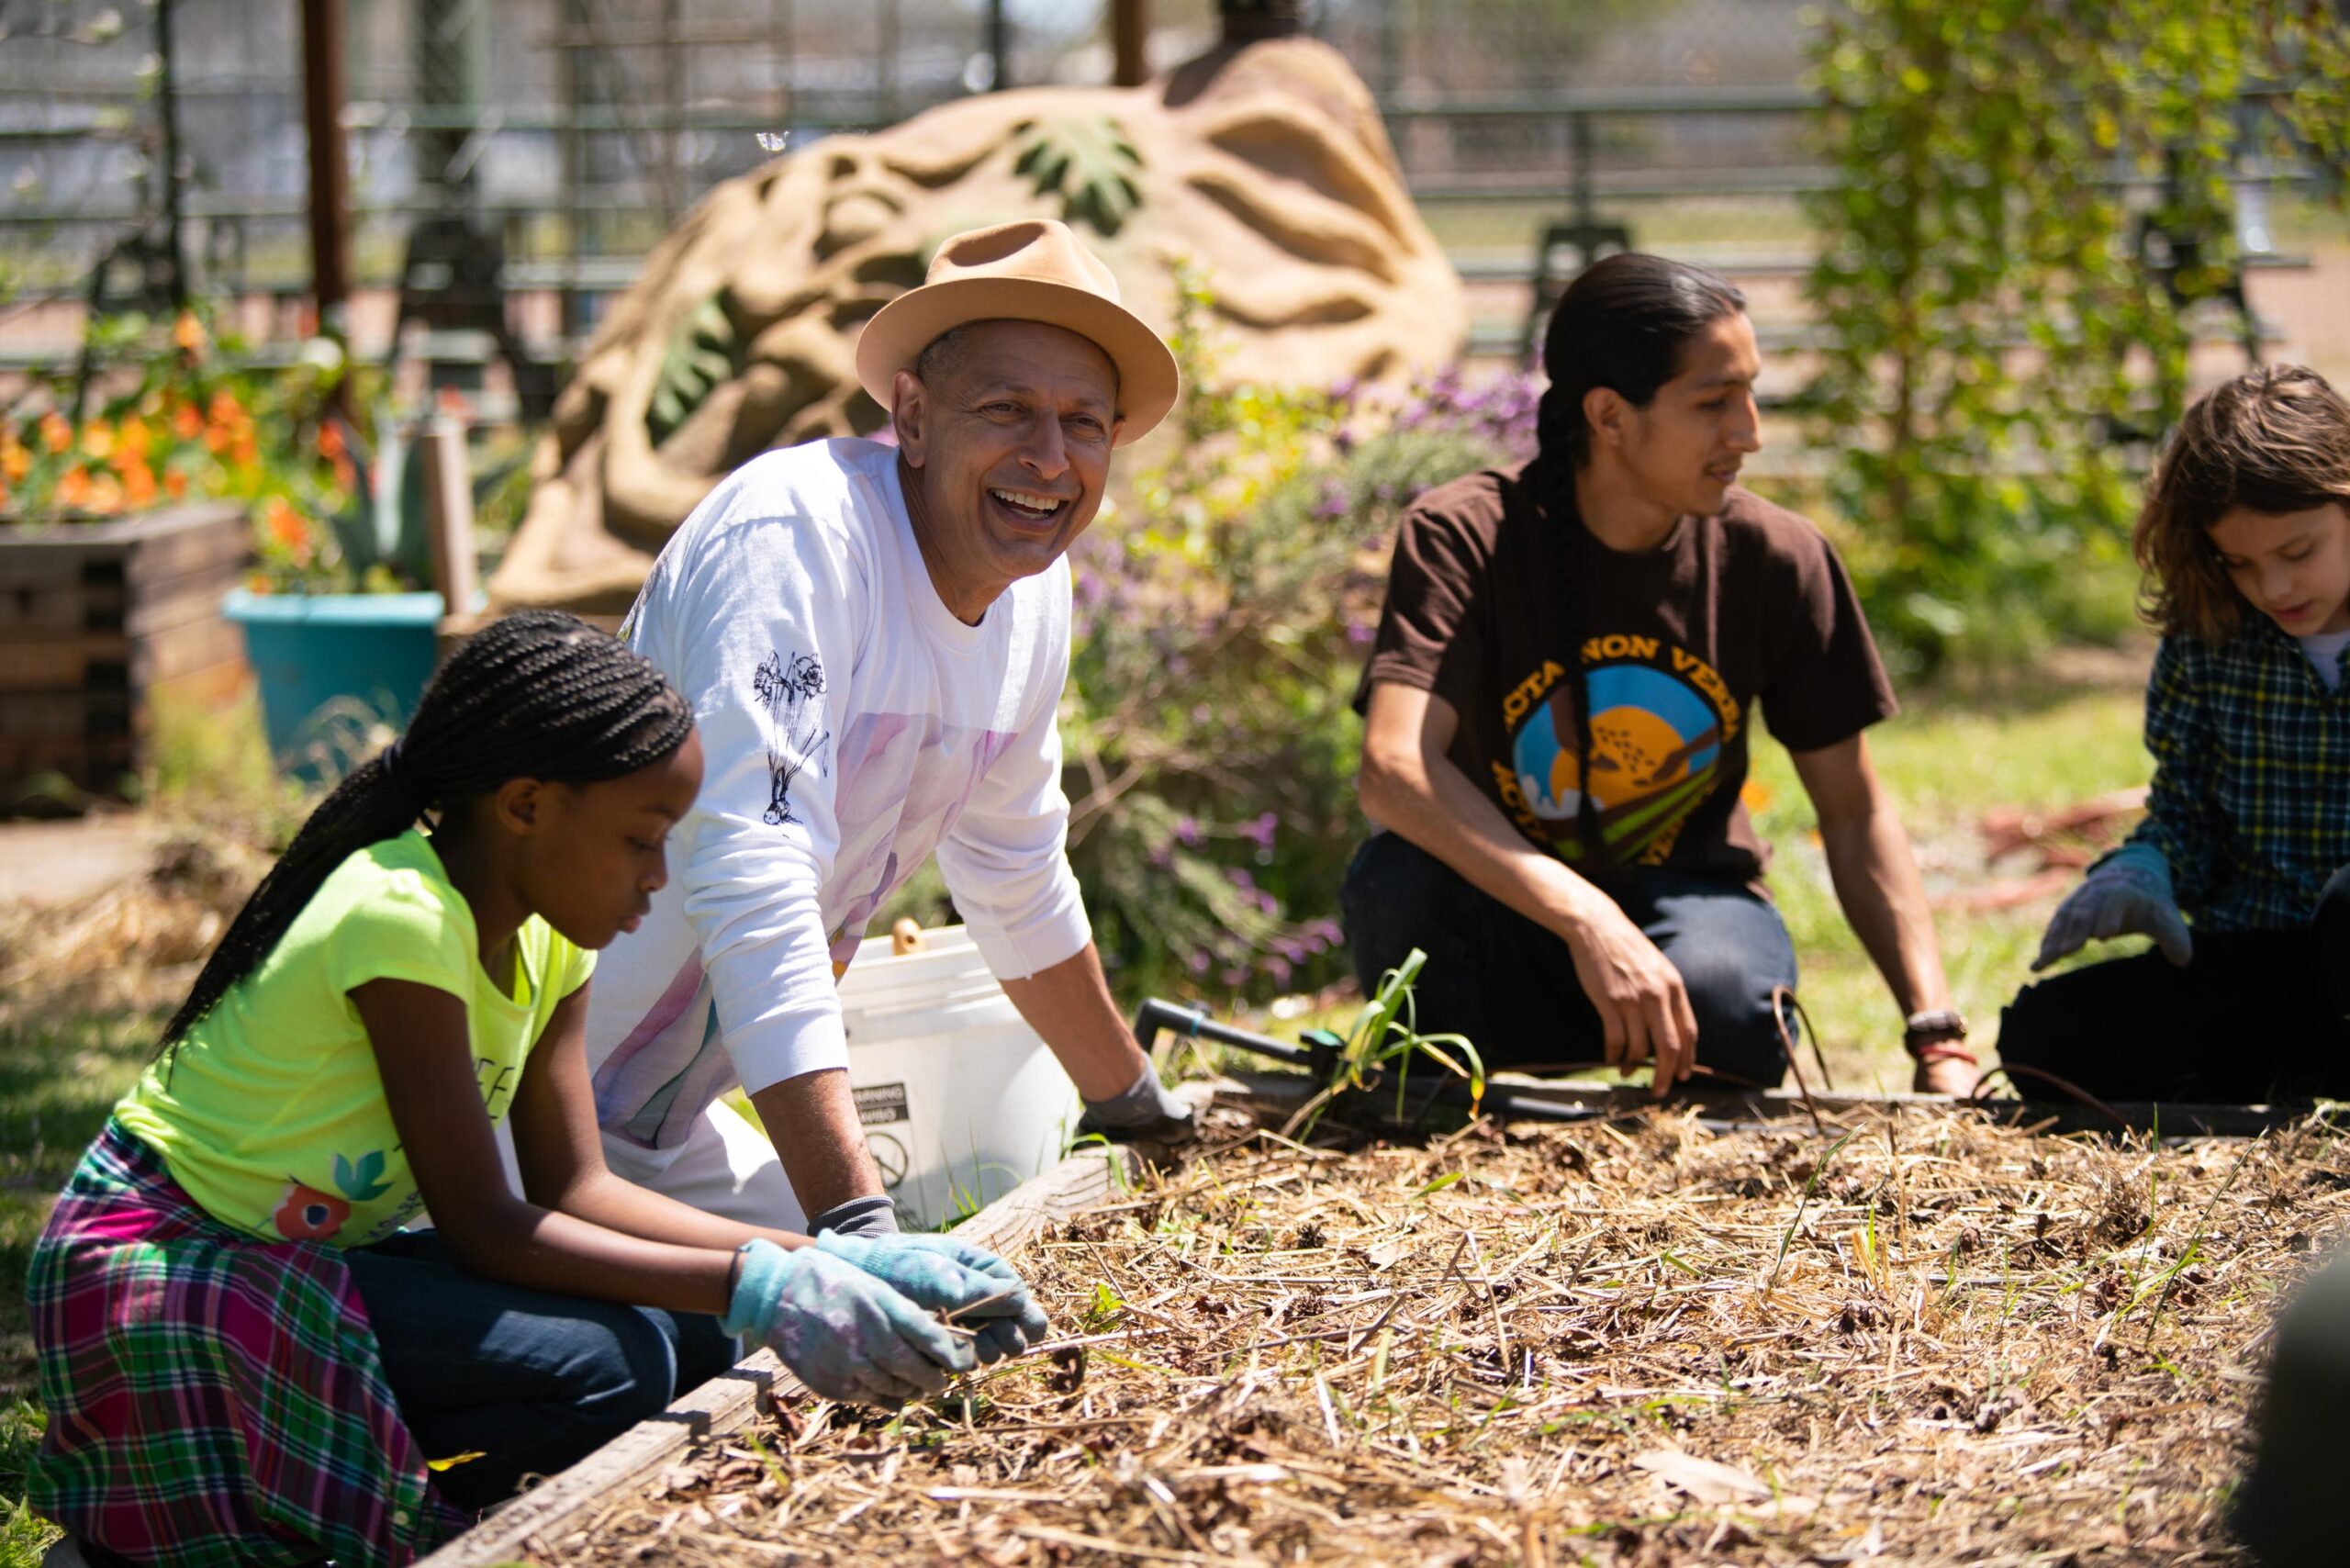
(579, 130)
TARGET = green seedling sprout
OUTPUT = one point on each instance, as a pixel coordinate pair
(1385, 1031)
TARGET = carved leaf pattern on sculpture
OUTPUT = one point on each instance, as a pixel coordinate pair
(701, 357)
(1090, 163)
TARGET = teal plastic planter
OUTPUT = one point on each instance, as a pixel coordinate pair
(334, 666)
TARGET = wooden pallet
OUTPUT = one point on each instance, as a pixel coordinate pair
(525, 1527)
(99, 620)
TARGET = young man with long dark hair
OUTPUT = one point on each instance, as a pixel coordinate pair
(1557, 714)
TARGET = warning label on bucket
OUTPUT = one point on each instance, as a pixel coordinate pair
(881, 1103)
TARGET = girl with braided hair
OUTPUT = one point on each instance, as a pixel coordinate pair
(245, 1357)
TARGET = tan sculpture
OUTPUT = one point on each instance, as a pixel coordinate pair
(1265, 168)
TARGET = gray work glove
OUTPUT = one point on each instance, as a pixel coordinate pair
(2129, 892)
(875, 1216)
(1146, 1110)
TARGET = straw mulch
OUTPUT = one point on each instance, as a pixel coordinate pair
(135, 945)
(1647, 1343)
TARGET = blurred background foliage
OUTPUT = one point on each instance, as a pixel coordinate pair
(2006, 332)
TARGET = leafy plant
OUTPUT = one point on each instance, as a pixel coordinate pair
(184, 415)
(1384, 1031)
(1996, 345)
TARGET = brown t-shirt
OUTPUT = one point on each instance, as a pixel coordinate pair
(1676, 645)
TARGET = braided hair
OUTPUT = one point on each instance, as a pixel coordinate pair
(536, 694)
(1622, 325)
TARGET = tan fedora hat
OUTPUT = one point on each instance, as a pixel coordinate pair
(1034, 270)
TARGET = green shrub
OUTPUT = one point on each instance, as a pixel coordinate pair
(1999, 360)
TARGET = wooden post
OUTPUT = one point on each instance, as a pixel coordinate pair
(1129, 42)
(324, 79)
(449, 515)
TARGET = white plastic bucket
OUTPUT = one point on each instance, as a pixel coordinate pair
(961, 1100)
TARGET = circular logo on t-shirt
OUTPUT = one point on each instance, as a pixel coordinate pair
(1656, 742)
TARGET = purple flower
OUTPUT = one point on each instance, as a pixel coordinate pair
(1187, 830)
(1235, 976)
(1279, 969)
(1240, 879)
(1198, 962)
(1261, 831)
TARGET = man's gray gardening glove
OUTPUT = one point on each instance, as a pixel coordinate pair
(1146, 1110)
(874, 1216)
(2128, 893)
(846, 1334)
(945, 1274)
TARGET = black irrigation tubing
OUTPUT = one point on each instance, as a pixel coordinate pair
(1319, 1058)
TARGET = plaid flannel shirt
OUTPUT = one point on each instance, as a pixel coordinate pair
(2251, 798)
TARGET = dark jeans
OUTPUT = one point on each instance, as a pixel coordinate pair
(2257, 1015)
(1509, 984)
(531, 1381)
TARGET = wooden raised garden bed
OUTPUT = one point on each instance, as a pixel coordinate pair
(1919, 1335)
(98, 620)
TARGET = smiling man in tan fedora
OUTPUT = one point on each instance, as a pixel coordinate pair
(875, 642)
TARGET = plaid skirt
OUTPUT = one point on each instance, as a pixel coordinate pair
(213, 1399)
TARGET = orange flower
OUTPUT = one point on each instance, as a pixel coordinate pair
(346, 473)
(98, 440)
(4, 497)
(55, 433)
(187, 422)
(285, 524)
(74, 488)
(106, 494)
(224, 408)
(452, 403)
(244, 450)
(215, 439)
(132, 440)
(138, 485)
(15, 463)
(331, 440)
(175, 485)
(187, 333)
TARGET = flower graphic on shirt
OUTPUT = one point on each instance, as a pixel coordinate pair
(306, 1213)
(792, 690)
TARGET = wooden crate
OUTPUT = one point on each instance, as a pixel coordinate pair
(99, 620)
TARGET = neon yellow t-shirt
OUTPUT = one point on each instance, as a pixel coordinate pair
(270, 1113)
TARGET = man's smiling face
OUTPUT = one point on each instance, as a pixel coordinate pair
(1006, 429)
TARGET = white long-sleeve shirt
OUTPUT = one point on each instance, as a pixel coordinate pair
(851, 726)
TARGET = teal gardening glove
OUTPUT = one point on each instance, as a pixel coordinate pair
(841, 1329)
(945, 1274)
(2127, 892)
